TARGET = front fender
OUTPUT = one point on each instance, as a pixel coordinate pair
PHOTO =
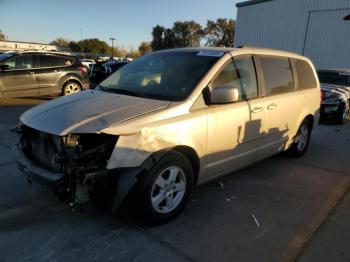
(133, 150)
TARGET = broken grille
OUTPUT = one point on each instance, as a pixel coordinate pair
(60, 153)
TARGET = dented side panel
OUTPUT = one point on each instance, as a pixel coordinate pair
(188, 130)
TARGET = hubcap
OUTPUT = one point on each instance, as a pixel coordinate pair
(302, 138)
(71, 89)
(168, 190)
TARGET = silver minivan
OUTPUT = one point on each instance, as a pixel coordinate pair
(168, 121)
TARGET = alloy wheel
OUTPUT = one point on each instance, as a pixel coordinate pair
(303, 137)
(71, 88)
(168, 189)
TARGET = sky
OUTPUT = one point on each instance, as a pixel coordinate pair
(130, 22)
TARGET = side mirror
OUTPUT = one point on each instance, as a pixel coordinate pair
(224, 95)
(4, 67)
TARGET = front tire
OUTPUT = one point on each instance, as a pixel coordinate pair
(301, 140)
(164, 191)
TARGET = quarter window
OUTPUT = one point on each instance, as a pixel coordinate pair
(278, 77)
(240, 74)
(304, 74)
(53, 61)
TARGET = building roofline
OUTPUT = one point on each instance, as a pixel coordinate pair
(251, 2)
(23, 42)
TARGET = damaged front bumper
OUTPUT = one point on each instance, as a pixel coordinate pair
(75, 169)
(33, 171)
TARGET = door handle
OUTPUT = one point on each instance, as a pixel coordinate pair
(256, 110)
(271, 106)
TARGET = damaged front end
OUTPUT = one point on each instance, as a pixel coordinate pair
(74, 164)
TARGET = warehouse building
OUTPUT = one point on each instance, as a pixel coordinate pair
(318, 29)
(20, 46)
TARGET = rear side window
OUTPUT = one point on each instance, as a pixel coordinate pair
(278, 77)
(53, 60)
(239, 73)
(304, 75)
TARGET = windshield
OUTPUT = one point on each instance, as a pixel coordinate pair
(334, 78)
(165, 75)
(6, 55)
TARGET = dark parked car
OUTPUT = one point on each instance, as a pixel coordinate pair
(37, 73)
(335, 87)
(334, 76)
(99, 73)
(335, 103)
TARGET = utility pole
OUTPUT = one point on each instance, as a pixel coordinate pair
(81, 39)
(112, 39)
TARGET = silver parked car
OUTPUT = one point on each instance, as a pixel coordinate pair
(171, 120)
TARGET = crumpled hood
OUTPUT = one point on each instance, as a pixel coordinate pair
(87, 112)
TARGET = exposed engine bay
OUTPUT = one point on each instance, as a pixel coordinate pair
(80, 158)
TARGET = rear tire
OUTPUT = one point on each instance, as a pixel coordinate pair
(301, 140)
(70, 88)
(163, 192)
(343, 115)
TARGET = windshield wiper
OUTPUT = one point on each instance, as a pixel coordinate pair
(133, 93)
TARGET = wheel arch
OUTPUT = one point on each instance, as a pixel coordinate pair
(311, 119)
(192, 156)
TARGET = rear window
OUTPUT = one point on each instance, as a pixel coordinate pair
(53, 60)
(304, 75)
(278, 77)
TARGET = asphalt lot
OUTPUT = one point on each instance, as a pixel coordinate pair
(301, 208)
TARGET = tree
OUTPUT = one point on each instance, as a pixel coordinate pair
(118, 52)
(221, 32)
(145, 48)
(170, 40)
(157, 34)
(93, 45)
(2, 36)
(60, 42)
(182, 34)
(132, 53)
(74, 46)
(187, 33)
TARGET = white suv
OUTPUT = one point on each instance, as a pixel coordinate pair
(170, 120)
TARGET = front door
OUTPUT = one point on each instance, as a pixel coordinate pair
(235, 130)
(20, 79)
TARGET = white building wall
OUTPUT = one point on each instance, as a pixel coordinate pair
(314, 28)
(13, 45)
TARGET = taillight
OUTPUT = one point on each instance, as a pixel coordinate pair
(321, 97)
(83, 69)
